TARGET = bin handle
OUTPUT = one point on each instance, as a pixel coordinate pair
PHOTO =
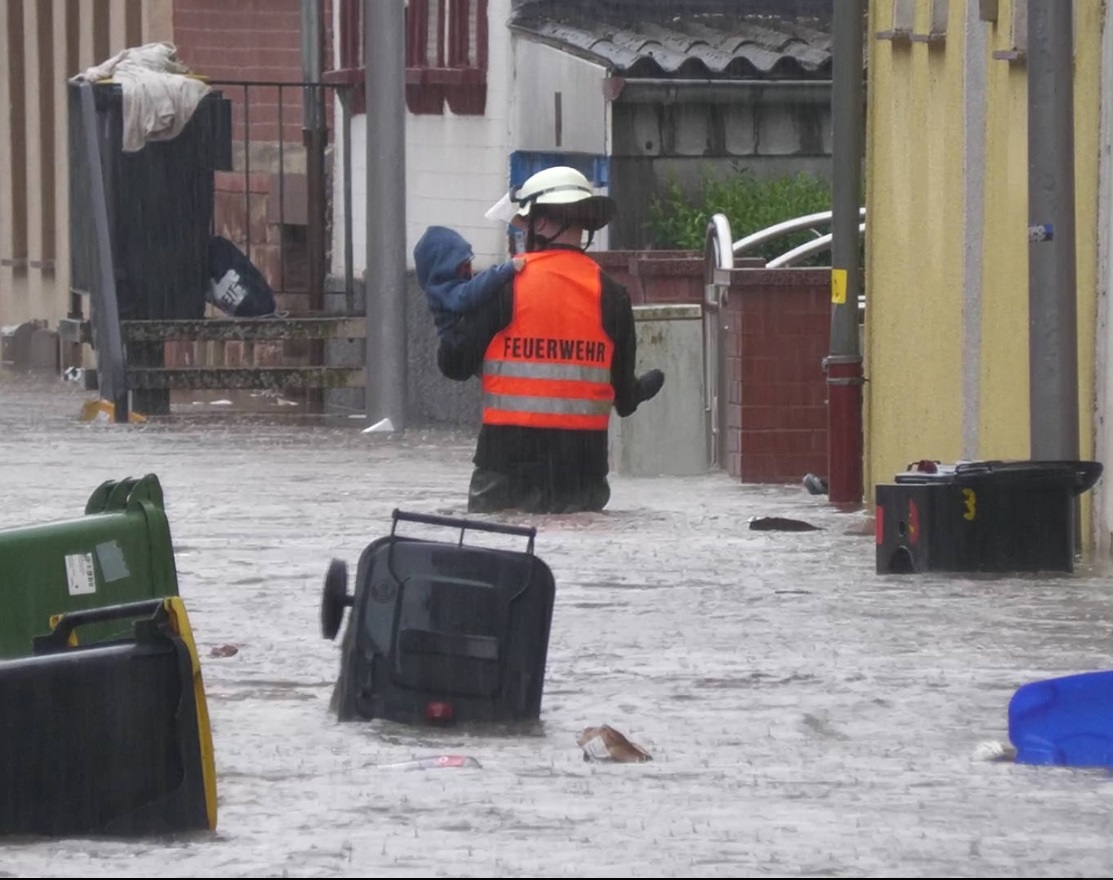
(1086, 473)
(432, 519)
(58, 639)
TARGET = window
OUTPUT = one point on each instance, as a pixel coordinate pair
(349, 62)
(446, 56)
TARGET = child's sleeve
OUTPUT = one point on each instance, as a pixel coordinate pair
(473, 293)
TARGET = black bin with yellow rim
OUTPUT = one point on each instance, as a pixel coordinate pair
(988, 516)
(111, 738)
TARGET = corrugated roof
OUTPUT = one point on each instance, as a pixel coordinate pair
(693, 45)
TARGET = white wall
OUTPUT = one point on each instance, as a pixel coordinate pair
(542, 72)
(456, 166)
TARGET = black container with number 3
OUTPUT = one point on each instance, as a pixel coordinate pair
(994, 516)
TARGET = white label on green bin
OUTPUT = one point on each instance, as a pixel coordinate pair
(80, 575)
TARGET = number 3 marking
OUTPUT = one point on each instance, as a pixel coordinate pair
(969, 498)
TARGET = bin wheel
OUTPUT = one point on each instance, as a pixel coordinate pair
(335, 598)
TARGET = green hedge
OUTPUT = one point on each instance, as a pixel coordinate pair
(749, 202)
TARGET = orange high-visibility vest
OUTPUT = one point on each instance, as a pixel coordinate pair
(550, 367)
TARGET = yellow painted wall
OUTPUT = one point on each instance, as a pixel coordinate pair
(1005, 424)
(914, 261)
(914, 245)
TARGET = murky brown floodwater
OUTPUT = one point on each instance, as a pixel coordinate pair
(806, 716)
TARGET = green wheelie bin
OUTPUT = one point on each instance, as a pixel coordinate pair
(120, 551)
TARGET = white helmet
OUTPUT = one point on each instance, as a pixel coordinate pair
(559, 185)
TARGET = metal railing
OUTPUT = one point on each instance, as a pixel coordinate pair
(318, 200)
(808, 221)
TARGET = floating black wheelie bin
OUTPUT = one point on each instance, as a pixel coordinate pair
(991, 516)
(441, 631)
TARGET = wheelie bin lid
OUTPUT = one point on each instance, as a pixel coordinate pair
(1079, 476)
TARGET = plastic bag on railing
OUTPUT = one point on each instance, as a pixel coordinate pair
(236, 286)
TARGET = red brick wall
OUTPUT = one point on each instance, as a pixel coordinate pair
(656, 276)
(253, 41)
(779, 322)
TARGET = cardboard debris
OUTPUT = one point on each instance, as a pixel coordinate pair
(604, 743)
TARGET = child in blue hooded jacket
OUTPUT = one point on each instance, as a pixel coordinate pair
(443, 258)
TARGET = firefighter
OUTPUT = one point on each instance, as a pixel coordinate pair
(555, 349)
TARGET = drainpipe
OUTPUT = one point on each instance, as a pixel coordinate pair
(315, 139)
(844, 364)
(1052, 306)
(1052, 281)
(384, 40)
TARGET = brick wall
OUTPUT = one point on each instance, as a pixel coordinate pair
(250, 40)
(779, 332)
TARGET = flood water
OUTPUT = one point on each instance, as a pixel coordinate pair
(806, 716)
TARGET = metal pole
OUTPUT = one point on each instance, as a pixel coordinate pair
(385, 279)
(1052, 307)
(315, 139)
(844, 364)
(112, 383)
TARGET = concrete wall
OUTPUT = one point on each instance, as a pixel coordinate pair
(947, 251)
(772, 128)
(42, 44)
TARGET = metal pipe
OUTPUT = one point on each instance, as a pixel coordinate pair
(718, 250)
(815, 246)
(718, 261)
(112, 382)
(844, 364)
(384, 39)
(312, 53)
(1052, 305)
(346, 146)
(777, 229)
(315, 139)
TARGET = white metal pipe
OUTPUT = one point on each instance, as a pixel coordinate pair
(789, 258)
(718, 237)
(777, 229)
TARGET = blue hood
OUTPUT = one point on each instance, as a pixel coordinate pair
(436, 255)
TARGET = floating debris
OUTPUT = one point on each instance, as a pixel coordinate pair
(433, 763)
(604, 743)
(781, 524)
(994, 750)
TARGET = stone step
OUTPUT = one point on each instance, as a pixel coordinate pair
(225, 329)
(227, 378)
(247, 329)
